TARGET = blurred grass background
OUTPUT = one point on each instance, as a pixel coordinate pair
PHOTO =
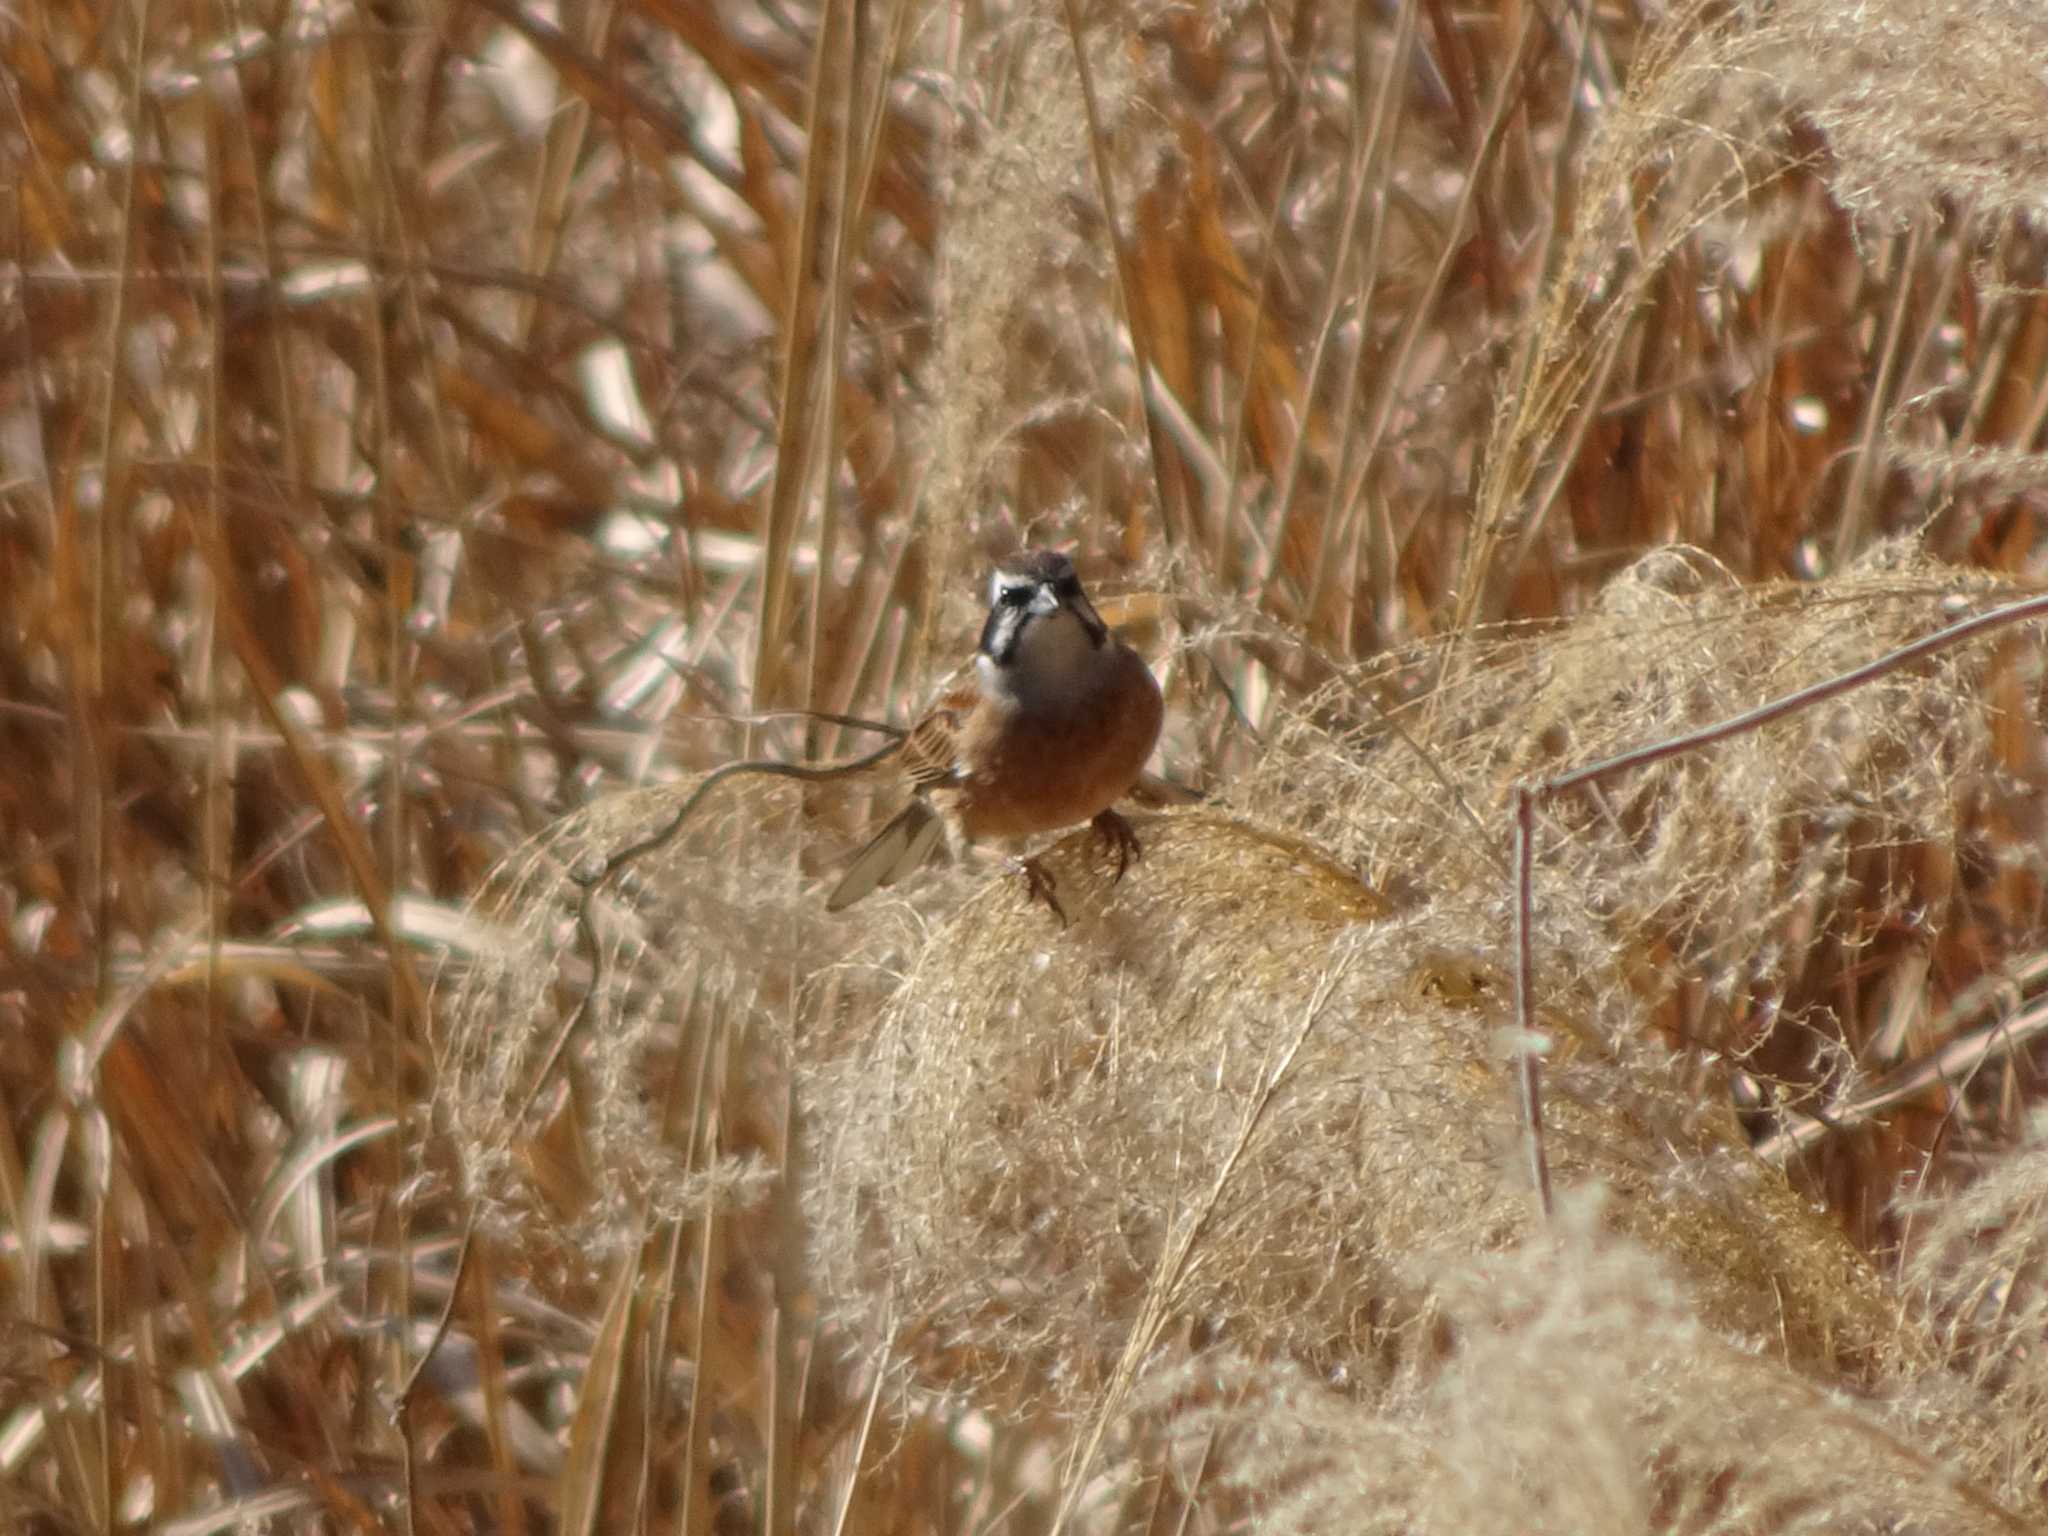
(421, 423)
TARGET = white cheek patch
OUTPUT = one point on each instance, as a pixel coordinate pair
(999, 637)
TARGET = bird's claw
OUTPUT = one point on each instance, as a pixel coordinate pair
(1119, 838)
(1039, 885)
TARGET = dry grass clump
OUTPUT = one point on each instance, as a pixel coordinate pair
(580, 1043)
(1238, 1093)
(1979, 1271)
(1586, 1396)
(1922, 101)
(1721, 858)
(1813, 898)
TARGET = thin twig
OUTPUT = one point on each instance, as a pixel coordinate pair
(1528, 1052)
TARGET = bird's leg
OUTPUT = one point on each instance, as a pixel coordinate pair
(1039, 884)
(1118, 837)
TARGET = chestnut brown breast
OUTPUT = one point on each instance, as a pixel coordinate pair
(1062, 766)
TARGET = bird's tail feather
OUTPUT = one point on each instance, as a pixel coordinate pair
(895, 851)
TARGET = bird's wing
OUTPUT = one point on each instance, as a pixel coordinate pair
(929, 759)
(931, 753)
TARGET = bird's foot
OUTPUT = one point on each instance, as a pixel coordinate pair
(1118, 837)
(1039, 884)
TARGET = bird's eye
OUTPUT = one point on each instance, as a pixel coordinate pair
(1015, 597)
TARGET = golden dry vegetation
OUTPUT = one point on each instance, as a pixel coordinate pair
(434, 437)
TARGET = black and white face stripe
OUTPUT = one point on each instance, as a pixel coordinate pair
(1036, 584)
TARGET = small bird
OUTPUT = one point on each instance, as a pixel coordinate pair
(1050, 728)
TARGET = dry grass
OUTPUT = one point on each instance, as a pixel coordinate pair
(434, 438)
